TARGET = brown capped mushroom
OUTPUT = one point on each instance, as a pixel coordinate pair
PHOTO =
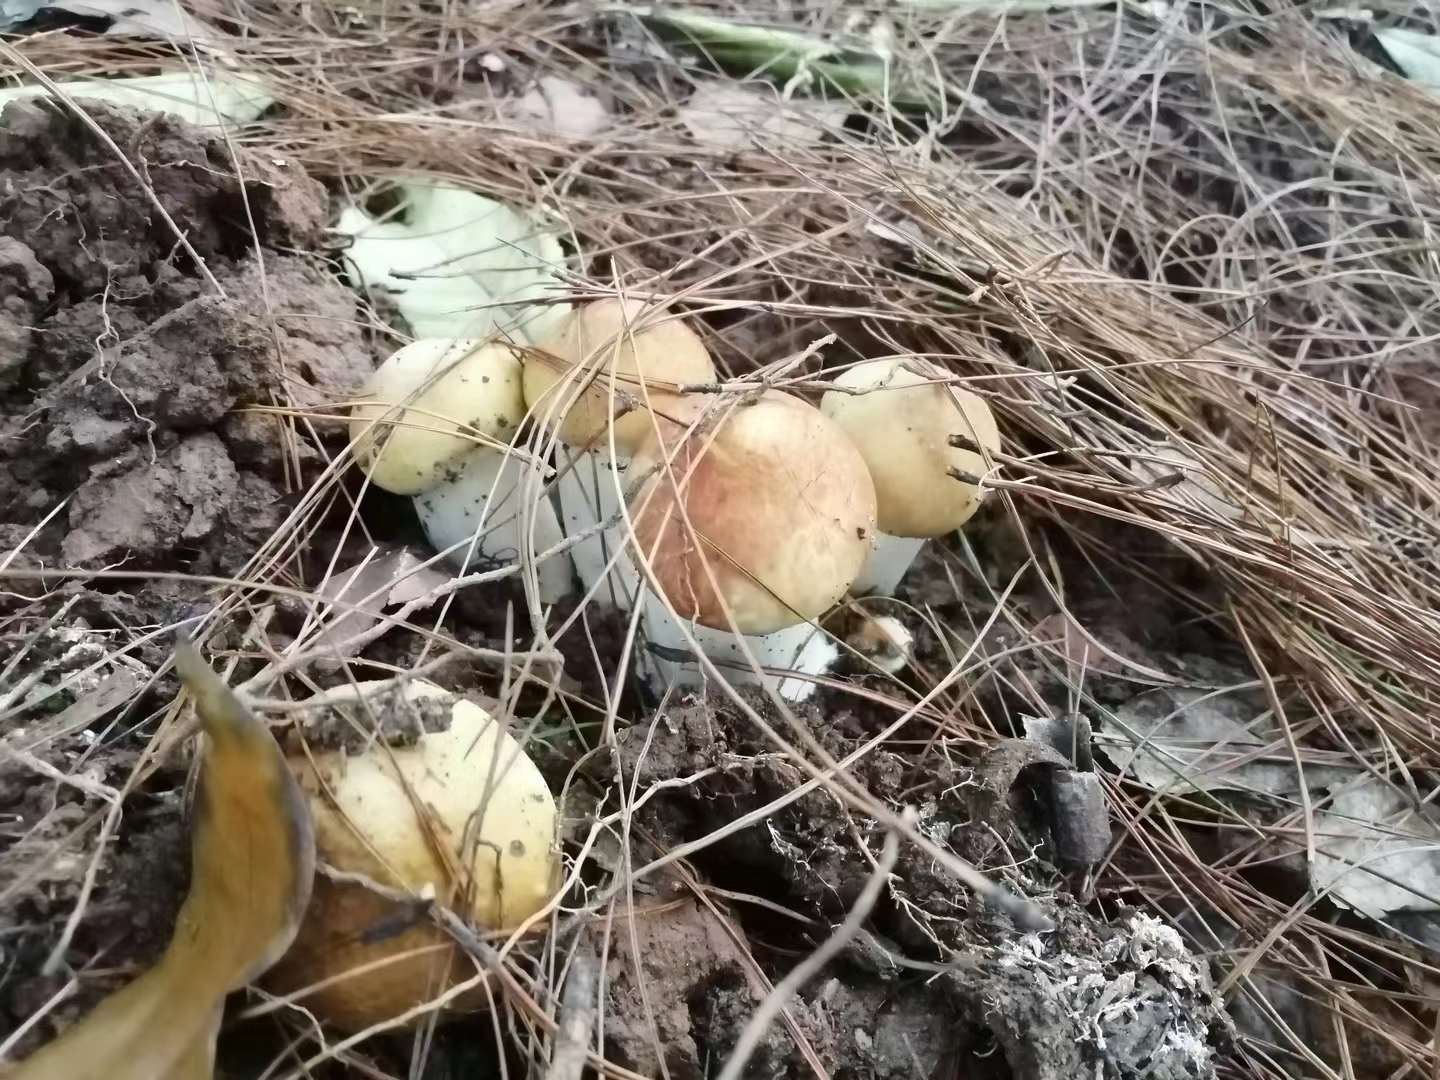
(755, 522)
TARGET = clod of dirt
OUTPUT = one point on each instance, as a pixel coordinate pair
(936, 981)
(668, 963)
(25, 290)
(179, 498)
(1025, 792)
(387, 715)
(1121, 1001)
(883, 1031)
(127, 924)
(122, 364)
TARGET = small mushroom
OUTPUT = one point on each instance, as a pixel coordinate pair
(611, 371)
(463, 817)
(754, 523)
(427, 406)
(436, 422)
(902, 420)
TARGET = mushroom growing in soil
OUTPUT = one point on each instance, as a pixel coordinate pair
(902, 415)
(462, 815)
(754, 523)
(607, 376)
(415, 431)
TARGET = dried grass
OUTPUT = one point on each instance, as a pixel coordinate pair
(1206, 231)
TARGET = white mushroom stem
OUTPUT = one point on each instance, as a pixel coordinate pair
(887, 564)
(590, 486)
(486, 512)
(664, 658)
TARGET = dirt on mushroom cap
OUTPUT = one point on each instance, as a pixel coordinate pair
(428, 405)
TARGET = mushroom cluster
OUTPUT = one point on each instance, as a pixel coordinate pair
(734, 520)
(737, 521)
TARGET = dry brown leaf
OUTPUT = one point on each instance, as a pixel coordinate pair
(252, 864)
(558, 106)
(369, 587)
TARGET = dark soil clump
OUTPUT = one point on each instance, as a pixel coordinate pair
(940, 984)
(131, 364)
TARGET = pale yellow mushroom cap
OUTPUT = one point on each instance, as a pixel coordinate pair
(497, 832)
(568, 378)
(427, 396)
(902, 428)
(780, 506)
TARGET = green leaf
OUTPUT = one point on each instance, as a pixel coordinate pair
(213, 101)
(1416, 54)
(796, 60)
(459, 265)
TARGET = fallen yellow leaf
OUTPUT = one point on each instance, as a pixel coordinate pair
(252, 865)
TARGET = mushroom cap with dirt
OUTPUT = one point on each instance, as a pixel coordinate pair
(764, 509)
(463, 812)
(431, 403)
(902, 421)
(568, 379)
